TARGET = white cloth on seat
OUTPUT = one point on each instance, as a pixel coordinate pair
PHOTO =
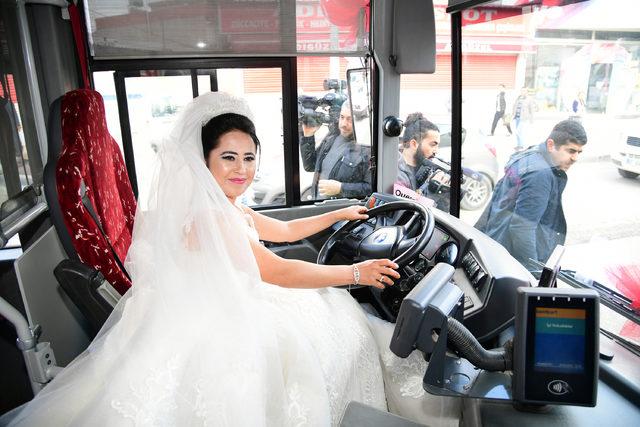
(200, 339)
(403, 384)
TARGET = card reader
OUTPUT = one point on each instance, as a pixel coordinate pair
(556, 346)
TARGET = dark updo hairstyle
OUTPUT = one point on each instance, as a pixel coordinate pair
(219, 125)
(416, 127)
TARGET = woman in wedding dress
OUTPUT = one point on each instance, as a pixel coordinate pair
(210, 332)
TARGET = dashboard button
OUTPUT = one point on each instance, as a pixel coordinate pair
(467, 260)
(479, 280)
(468, 303)
(473, 270)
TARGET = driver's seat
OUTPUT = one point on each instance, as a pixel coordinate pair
(91, 203)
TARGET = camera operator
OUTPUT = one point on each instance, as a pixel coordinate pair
(417, 169)
(341, 165)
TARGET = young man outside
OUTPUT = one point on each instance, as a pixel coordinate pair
(525, 213)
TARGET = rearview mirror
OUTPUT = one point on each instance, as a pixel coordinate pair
(359, 97)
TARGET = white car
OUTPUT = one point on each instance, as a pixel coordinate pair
(479, 156)
(627, 157)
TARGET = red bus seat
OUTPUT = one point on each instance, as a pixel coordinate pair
(91, 157)
(89, 194)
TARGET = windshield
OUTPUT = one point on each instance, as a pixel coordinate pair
(571, 75)
(526, 71)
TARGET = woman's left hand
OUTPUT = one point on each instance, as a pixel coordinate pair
(352, 213)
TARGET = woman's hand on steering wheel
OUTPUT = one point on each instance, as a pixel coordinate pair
(352, 213)
(378, 272)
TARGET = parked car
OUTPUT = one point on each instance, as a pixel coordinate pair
(477, 155)
(627, 157)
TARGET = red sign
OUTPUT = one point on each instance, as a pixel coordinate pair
(310, 19)
(487, 14)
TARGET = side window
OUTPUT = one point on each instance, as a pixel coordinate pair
(104, 83)
(14, 158)
(20, 158)
(334, 160)
(155, 98)
(310, 31)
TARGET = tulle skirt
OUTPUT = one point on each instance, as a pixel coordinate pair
(194, 367)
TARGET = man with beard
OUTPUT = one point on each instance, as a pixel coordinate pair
(341, 165)
(416, 171)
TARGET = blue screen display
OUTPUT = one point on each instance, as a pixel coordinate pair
(559, 340)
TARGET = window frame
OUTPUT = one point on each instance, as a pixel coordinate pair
(287, 65)
(32, 116)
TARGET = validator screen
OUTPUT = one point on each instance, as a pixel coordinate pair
(559, 340)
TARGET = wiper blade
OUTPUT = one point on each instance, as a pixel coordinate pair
(629, 345)
(612, 299)
(620, 298)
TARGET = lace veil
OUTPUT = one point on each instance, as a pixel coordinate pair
(192, 342)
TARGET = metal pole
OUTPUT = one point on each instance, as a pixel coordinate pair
(25, 337)
(32, 79)
(456, 112)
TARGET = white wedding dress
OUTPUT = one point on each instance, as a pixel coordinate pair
(334, 328)
(200, 339)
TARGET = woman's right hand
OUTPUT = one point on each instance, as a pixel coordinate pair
(378, 272)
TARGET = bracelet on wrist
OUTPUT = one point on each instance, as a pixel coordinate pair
(356, 275)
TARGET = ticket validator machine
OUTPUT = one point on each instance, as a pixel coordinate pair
(552, 359)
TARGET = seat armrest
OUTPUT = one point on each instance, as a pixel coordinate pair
(89, 291)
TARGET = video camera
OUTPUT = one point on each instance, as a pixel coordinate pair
(334, 84)
(315, 111)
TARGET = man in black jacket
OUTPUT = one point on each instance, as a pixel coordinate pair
(341, 165)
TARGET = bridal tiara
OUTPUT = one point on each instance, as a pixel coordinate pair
(212, 104)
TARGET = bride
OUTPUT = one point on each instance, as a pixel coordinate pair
(211, 331)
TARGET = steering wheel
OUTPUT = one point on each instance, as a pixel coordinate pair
(386, 241)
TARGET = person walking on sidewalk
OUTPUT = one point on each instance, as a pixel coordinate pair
(501, 108)
(523, 110)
